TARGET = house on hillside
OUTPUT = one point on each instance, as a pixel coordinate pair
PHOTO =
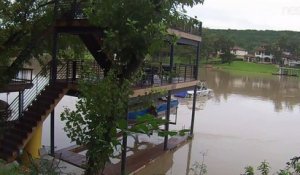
(263, 55)
(290, 60)
(239, 52)
(250, 57)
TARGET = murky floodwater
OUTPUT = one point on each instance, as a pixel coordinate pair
(249, 119)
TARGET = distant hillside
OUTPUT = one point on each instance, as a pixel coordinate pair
(249, 39)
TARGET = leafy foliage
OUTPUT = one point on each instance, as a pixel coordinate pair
(94, 122)
(249, 170)
(277, 41)
(292, 168)
(264, 168)
(134, 28)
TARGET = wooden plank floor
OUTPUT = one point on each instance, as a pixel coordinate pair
(135, 162)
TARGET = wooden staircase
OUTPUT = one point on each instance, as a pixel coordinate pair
(17, 136)
(94, 44)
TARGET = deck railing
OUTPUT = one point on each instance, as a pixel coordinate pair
(187, 24)
(74, 9)
(24, 76)
(163, 75)
(68, 71)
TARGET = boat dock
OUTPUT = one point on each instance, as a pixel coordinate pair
(288, 71)
(134, 163)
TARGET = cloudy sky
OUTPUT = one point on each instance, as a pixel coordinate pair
(249, 14)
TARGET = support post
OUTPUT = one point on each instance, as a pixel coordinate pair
(189, 158)
(193, 111)
(197, 61)
(167, 120)
(74, 68)
(21, 103)
(52, 143)
(171, 62)
(54, 57)
(195, 91)
(124, 148)
(54, 46)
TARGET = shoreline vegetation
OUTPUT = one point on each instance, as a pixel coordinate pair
(242, 67)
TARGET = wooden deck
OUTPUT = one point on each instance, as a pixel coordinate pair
(185, 35)
(141, 91)
(15, 87)
(135, 162)
(176, 86)
(79, 24)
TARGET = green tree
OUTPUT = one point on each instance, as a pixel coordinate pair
(249, 170)
(132, 30)
(264, 168)
(94, 122)
(224, 46)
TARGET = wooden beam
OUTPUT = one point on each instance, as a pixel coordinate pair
(145, 91)
(184, 35)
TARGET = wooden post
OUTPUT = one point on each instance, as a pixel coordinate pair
(167, 120)
(124, 148)
(52, 138)
(54, 46)
(195, 91)
(169, 96)
(21, 103)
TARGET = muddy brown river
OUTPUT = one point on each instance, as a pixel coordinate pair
(250, 118)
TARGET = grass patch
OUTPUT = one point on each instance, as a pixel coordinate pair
(249, 67)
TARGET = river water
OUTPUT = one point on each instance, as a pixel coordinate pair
(250, 118)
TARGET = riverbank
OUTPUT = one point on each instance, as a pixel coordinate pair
(247, 67)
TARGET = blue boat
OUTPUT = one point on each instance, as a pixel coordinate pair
(160, 109)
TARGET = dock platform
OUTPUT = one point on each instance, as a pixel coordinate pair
(134, 162)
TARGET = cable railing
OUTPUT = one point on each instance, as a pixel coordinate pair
(24, 76)
(187, 24)
(74, 9)
(39, 82)
(68, 71)
(163, 75)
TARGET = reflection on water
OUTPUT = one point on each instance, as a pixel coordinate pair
(282, 91)
(249, 119)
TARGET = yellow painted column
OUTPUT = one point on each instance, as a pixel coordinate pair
(34, 144)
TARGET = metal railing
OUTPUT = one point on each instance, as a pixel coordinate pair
(163, 75)
(39, 83)
(68, 71)
(187, 24)
(73, 9)
(24, 76)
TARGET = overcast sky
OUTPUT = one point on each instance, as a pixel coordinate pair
(249, 14)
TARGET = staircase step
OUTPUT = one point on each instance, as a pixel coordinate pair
(5, 156)
(12, 144)
(50, 93)
(39, 107)
(30, 120)
(46, 99)
(13, 136)
(6, 149)
(31, 114)
(25, 126)
(19, 132)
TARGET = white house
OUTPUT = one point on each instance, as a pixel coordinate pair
(290, 60)
(239, 52)
(263, 55)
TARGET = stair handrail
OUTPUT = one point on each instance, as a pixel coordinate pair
(40, 81)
